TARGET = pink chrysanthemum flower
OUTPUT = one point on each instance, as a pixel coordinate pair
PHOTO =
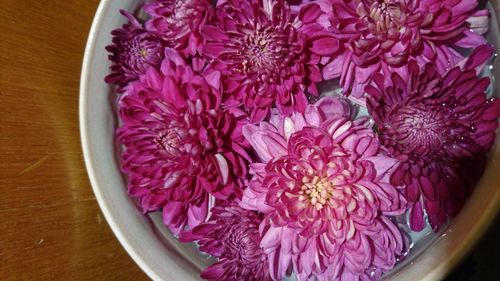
(267, 57)
(178, 22)
(232, 236)
(323, 183)
(380, 36)
(181, 147)
(431, 123)
(133, 50)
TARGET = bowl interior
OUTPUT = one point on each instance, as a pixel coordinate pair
(159, 254)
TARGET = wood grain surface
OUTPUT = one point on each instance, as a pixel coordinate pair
(51, 227)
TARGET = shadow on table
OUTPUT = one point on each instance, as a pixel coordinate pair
(465, 272)
(483, 264)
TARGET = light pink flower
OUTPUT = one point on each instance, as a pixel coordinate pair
(232, 236)
(181, 147)
(267, 56)
(381, 36)
(434, 125)
(178, 22)
(323, 183)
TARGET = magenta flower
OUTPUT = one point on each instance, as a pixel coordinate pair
(133, 50)
(178, 22)
(182, 148)
(431, 124)
(382, 36)
(323, 183)
(232, 236)
(267, 57)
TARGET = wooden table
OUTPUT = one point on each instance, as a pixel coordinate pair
(51, 227)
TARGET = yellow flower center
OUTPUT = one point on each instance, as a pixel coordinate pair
(386, 13)
(143, 52)
(318, 190)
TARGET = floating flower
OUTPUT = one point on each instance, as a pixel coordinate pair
(232, 236)
(382, 36)
(431, 124)
(133, 50)
(323, 183)
(182, 148)
(267, 57)
(178, 22)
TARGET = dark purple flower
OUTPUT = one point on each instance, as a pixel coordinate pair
(181, 148)
(133, 50)
(267, 56)
(381, 36)
(432, 124)
(232, 236)
(177, 22)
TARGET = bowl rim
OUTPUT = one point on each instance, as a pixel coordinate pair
(436, 272)
(87, 155)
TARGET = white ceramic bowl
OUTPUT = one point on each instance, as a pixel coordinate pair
(150, 244)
